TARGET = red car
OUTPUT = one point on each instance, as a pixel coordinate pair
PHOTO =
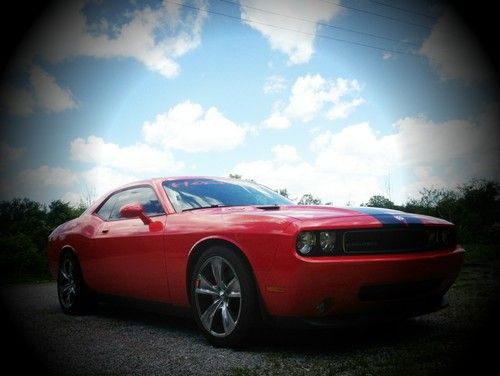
(235, 252)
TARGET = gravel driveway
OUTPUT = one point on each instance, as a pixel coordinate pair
(117, 340)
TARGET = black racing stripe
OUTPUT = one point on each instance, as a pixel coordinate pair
(391, 218)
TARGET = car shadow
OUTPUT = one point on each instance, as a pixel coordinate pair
(273, 338)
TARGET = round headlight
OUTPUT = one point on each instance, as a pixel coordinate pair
(327, 240)
(305, 242)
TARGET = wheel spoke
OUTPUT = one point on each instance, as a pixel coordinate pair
(68, 294)
(216, 266)
(217, 294)
(233, 288)
(65, 274)
(205, 287)
(208, 316)
(227, 319)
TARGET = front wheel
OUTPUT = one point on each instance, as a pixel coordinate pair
(223, 297)
(73, 296)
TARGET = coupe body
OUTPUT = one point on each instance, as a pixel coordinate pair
(234, 252)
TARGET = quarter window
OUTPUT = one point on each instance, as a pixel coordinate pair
(137, 195)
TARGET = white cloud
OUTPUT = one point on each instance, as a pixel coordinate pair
(73, 198)
(285, 153)
(48, 95)
(387, 56)
(46, 176)
(153, 35)
(453, 52)
(451, 152)
(274, 84)
(354, 163)
(342, 110)
(138, 158)
(277, 27)
(311, 93)
(277, 121)
(43, 93)
(190, 128)
(355, 150)
(9, 154)
(103, 179)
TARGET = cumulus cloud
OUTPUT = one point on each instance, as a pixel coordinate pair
(353, 163)
(138, 158)
(453, 52)
(355, 150)
(153, 35)
(277, 121)
(73, 198)
(276, 20)
(451, 152)
(313, 95)
(190, 128)
(103, 179)
(48, 95)
(43, 93)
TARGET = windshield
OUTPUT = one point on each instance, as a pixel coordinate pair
(189, 194)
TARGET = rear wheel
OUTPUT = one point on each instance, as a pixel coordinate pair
(223, 296)
(71, 290)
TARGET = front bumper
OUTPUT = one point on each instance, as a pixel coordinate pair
(341, 287)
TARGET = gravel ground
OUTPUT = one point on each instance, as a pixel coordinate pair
(117, 340)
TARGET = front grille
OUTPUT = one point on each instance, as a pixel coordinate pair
(398, 240)
(399, 291)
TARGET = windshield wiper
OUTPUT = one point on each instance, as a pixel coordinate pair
(204, 207)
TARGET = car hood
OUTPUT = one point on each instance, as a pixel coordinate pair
(313, 215)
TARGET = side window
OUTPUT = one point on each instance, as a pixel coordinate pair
(139, 195)
(105, 210)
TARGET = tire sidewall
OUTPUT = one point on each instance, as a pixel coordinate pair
(79, 306)
(248, 310)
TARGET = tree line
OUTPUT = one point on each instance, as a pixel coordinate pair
(26, 224)
(473, 207)
(24, 228)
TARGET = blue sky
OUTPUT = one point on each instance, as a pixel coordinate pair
(289, 93)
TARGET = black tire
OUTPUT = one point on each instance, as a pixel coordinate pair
(73, 295)
(225, 307)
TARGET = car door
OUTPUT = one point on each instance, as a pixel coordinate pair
(127, 257)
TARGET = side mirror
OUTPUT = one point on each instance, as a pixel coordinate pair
(135, 211)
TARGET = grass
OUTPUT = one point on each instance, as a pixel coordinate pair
(481, 253)
(450, 341)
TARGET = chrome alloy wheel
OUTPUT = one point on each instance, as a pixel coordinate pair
(67, 283)
(218, 296)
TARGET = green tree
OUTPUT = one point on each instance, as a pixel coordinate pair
(379, 201)
(309, 199)
(283, 192)
(60, 212)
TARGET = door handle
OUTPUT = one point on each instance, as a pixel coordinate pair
(105, 231)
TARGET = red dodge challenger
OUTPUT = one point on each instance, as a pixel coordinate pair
(235, 252)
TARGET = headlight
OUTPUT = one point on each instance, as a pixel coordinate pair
(306, 242)
(327, 241)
